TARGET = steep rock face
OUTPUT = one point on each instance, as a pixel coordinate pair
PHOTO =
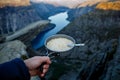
(4, 3)
(28, 33)
(113, 67)
(15, 18)
(74, 13)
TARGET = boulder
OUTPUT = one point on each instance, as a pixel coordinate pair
(11, 50)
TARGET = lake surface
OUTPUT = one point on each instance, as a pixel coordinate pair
(60, 20)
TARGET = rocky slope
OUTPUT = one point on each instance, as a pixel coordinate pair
(99, 58)
(15, 18)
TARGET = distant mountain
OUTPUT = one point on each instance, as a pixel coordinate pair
(83, 8)
(66, 3)
(4, 3)
(109, 5)
(90, 3)
(78, 7)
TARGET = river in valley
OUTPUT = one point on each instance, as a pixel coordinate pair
(60, 21)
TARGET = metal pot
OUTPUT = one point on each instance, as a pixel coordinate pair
(71, 46)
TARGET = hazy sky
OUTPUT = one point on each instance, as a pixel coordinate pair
(67, 3)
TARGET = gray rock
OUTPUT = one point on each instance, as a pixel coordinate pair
(11, 50)
(66, 76)
(113, 69)
(35, 78)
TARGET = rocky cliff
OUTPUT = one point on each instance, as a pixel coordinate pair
(15, 18)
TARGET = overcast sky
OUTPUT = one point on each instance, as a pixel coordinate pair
(67, 3)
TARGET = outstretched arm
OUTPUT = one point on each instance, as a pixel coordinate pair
(18, 69)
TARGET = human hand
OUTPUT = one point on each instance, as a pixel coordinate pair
(34, 63)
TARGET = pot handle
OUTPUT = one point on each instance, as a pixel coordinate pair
(82, 44)
(41, 67)
(51, 55)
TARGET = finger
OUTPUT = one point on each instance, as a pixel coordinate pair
(43, 73)
(45, 70)
(46, 66)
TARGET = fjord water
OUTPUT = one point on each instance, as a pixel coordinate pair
(60, 20)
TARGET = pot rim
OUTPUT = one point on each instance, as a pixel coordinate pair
(59, 36)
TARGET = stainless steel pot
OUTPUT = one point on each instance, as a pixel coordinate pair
(61, 36)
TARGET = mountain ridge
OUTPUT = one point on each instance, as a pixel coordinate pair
(109, 5)
(4, 3)
(66, 3)
(89, 5)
